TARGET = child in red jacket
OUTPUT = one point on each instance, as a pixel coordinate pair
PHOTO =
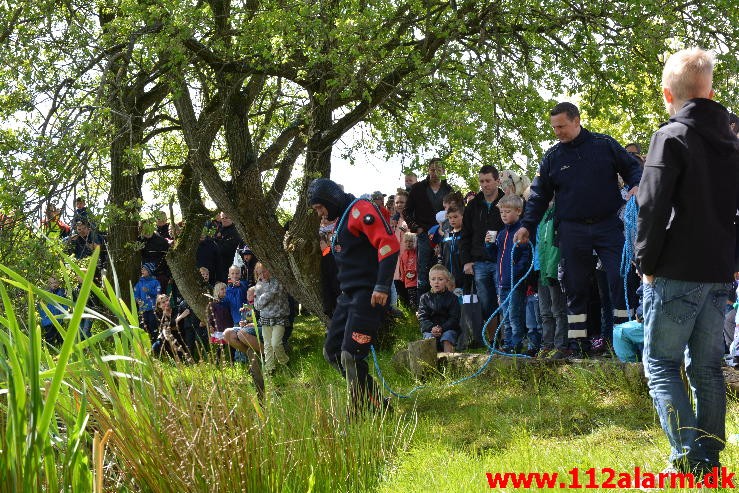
(408, 272)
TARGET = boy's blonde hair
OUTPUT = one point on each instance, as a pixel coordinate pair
(217, 288)
(511, 202)
(442, 270)
(688, 73)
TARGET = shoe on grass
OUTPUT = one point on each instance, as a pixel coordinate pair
(562, 354)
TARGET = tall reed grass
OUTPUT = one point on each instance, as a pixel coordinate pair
(101, 414)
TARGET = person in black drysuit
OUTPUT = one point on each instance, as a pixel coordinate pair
(366, 251)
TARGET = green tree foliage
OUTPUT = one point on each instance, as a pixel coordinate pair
(234, 98)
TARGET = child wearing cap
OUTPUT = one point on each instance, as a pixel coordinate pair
(145, 293)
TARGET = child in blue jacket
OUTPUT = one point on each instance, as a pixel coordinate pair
(145, 292)
(49, 332)
(511, 207)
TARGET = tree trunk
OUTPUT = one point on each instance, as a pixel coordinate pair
(124, 201)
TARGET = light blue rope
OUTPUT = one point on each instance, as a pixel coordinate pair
(506, 303)
(631, 213)
(491, 350)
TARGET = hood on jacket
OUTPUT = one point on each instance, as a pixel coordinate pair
(330, 195)
(711, 121)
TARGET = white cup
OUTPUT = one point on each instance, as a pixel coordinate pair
(490, 236)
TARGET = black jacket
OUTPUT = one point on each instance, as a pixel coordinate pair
(228, 240)
(438, 309)
(583, 176)
(479, 219)
(418, 212)
(688, 197)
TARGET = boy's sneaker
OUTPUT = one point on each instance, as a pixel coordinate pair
(561, 354)
(532, 353)
(545, 352)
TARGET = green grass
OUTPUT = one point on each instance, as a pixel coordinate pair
(201, 428)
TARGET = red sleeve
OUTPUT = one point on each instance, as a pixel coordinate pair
(364, 218)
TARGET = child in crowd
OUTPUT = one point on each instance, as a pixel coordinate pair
(170, 338)
(49, 332)
(145, 292)
(235, 292)
(408, 272)
(518, 259)
(194, 332)
(218, 314)
(552, 302)
(206, 277)
(450, 252)
(270, 298)
(438, 310)
(246, 335)
(247, 270)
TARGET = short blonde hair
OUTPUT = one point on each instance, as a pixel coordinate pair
(688, 74)
(442, 270)
(512, 202)
(410, 237)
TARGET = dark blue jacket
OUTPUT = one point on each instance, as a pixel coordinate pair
(53, 308)
(236, 297)
(584, 176)
(451, 255)
(521, 256)
(146, 291)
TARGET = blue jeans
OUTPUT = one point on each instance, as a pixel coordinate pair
(533, 322)
(628, 341)
(486, 278)
(515, 317)
(683, 321)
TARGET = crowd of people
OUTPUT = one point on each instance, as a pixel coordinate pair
(237, 283)
(548, 252)
(545, 256)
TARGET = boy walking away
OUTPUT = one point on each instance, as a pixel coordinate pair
(511, 207)
(438, 311)
(270, 298)
(689, 191)
(145, 292)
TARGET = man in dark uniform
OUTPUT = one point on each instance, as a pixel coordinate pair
(366, 251)
(581, 171)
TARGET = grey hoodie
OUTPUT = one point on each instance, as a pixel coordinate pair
(270, 298)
